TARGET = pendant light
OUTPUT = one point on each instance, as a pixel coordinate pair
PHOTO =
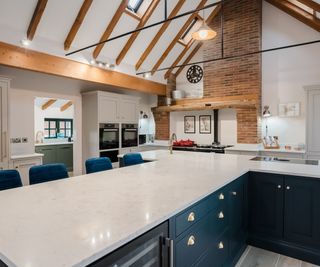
(204, 33)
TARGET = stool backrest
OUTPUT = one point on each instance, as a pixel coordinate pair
(9, 179)
(47, 173)
(98, 164)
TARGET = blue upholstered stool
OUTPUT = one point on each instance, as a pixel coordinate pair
(10, 179)
(98, 164)
(132, 159)
(47, 173)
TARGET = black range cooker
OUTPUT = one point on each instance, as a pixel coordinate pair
(214, 148)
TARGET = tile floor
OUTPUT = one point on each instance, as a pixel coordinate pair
(256, 257)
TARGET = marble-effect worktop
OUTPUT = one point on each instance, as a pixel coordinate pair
(75, 221)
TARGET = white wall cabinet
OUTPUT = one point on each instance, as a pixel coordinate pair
(23, 165)
(4, 127)
(117, 108)
(313, 122)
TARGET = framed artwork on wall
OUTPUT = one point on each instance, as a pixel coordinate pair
(190, 124)
(205, 124)
(289, 110)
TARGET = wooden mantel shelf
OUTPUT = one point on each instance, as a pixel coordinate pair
(245, 101)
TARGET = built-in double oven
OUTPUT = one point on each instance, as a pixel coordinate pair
(129, 135)
(109, 136)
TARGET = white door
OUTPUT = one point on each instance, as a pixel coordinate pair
(129, 111)
(313, 124)
(108, 109)
(4, 153)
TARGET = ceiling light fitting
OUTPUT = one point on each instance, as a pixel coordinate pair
(25, 42)
(204, 33)
(101, 64)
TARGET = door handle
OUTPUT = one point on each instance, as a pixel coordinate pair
(167, 254)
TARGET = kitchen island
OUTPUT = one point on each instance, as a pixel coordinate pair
(76, 221)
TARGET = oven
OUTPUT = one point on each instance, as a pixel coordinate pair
(108, 136)
(129, 135)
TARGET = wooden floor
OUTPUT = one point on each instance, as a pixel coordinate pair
(256, 257)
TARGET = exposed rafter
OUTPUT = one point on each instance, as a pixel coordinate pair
(49, 103)
(312, 4)
(189, 45)
(66, 106)
(77, 23)
(177, 37)
(114, 21)
(16, 57)
(187, 60)
(159, 34)
(134, 36)
(38, 12)
(297, 12)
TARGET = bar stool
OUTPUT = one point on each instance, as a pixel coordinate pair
(9, 179)
(132, 159)
(47, 173)
(98, 165)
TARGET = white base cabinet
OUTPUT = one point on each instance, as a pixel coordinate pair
(23, 164)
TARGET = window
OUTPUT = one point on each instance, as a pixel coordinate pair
(188, 30)
(58, 128)
(134, 5)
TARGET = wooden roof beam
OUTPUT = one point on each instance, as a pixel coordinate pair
(297, 12)
(37, 14)
(21, 58)
(134, 36)
(77, 23)
(132, 14)
(312, 4)
(192, 54)
(113, 23)
(212, 15)
(159, 34)
(66, 106)
(49, 103)
(177, 37)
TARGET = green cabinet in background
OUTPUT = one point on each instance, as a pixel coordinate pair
(57, 154)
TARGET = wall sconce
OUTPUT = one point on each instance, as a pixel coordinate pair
(143, 115)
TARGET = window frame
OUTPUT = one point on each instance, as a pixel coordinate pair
(136, 8)
(185, 34)
(57, 129)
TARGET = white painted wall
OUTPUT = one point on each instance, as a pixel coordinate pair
(227, 126)
(285, 72)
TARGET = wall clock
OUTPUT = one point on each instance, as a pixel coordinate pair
(194, 74)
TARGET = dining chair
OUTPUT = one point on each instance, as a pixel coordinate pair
(9, 179)
(46, 173)
(98, 164)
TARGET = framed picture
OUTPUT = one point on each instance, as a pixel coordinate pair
(289, 110)
(205, 124)
(190, 124)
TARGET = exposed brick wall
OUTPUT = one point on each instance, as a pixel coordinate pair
(162, 119)
(239, 76)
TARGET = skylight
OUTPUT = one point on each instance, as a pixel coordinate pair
(134, 5)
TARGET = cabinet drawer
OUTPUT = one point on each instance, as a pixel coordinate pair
(217, 253)
(199, 237)
(192, 215)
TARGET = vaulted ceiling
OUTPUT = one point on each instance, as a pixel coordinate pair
(58, 26)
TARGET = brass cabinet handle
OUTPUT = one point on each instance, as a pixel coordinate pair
(288, 187)
(221, 196)
(279, 186)
(220, 215)
(191, 241)
(221, 246)
(191, 217)
(234, 193)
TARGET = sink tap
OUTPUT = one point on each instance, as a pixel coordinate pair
(172, 139)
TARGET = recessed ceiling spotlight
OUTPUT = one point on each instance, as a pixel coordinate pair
(146, 75)
(93, 62)
(25, 42)
(101, 64)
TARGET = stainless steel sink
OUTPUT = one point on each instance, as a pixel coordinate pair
(296, 161)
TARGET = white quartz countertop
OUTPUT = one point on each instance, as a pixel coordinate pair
(259, 147)
(54, 143)
(75, 221)
(26, 156)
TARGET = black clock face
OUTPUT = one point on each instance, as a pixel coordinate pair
(194, 74)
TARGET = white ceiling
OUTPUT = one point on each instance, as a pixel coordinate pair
(59, 15)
